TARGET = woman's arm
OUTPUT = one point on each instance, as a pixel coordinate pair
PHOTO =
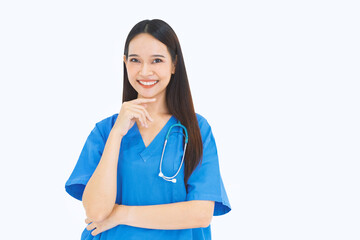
(180, 215)
(100, 192)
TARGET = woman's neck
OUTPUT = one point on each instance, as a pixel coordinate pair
(158, 108)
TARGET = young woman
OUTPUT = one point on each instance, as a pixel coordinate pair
(150, 171)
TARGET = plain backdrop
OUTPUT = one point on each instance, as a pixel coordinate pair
(278, 81)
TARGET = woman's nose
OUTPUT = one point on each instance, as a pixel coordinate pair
(145, 70)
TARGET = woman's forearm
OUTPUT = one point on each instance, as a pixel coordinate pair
(100, 192)
(180, 215)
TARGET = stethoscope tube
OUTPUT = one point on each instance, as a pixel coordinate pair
(161, 174)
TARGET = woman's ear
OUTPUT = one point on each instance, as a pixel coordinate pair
(174, 66)
(125, 59)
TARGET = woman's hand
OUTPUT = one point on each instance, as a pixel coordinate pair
(129, 112)
(115, 218)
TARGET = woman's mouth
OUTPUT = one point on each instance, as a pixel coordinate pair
(147, 83)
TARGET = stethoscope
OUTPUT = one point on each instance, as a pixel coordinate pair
(161, 174)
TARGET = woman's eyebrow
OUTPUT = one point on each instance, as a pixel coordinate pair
(155, 55)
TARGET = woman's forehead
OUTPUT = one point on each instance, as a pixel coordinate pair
(146, 45)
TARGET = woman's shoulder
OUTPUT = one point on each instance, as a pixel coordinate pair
(105, 124)
(108, 120)
(205, 129)
(203, 122)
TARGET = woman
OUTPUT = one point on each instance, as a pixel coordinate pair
(131, 185)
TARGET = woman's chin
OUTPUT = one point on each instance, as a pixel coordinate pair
(148, 94)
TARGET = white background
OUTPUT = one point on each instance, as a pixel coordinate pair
(278, 82)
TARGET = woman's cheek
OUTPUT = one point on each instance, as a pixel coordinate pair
(132, 69)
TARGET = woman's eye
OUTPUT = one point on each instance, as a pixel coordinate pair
(133, 60)
(157, 60)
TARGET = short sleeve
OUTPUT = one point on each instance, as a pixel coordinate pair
(205, 183)
(88, 160)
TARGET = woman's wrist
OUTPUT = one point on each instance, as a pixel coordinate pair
(122, 214)
(117, 132)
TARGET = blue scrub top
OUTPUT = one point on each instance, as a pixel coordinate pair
(138, 182)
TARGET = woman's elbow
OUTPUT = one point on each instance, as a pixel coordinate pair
(96, 215)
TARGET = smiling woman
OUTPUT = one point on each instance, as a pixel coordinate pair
(148, 66)
(121, 173)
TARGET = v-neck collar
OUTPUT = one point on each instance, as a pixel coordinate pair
(156, 143)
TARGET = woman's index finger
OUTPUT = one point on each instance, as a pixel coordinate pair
(144, 100)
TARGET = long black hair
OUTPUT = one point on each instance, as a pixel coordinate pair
(178, 95)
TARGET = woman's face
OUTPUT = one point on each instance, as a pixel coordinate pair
(149, 66)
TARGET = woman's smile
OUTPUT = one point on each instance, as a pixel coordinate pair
(147, 83)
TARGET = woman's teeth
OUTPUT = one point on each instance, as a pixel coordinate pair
(148, 83)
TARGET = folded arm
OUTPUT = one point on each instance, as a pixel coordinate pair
(180, 215)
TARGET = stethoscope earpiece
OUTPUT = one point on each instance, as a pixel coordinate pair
(167, 178)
